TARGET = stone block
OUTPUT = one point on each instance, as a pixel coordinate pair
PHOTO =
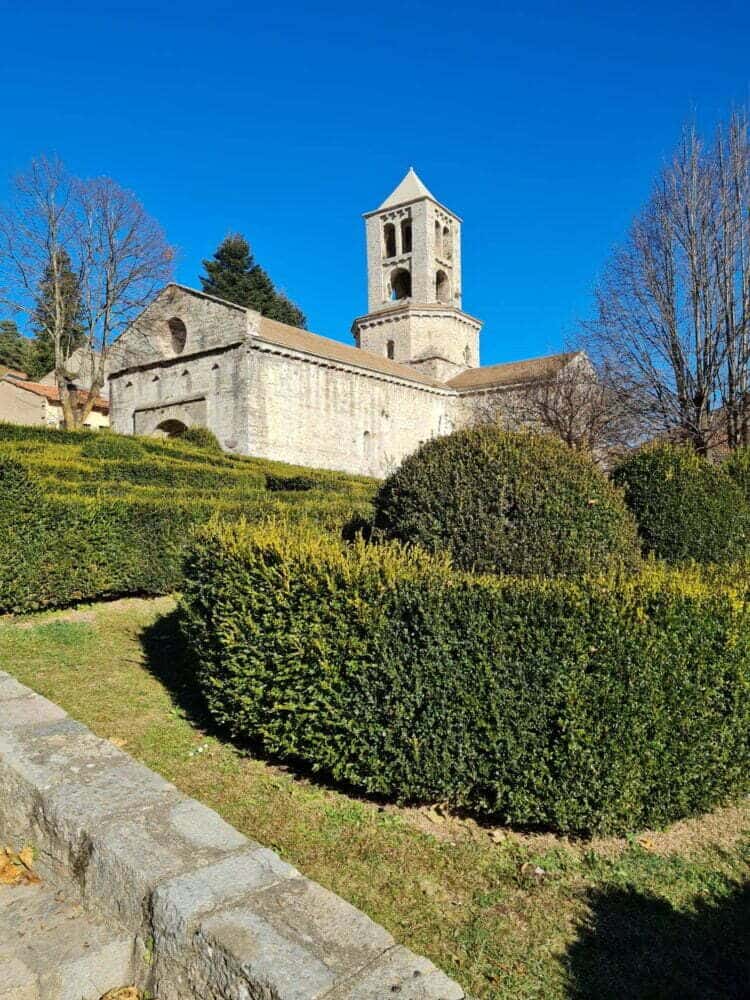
(178, 903)
(10, 688)
(402, 975)
(30, 711)
(293, 940)
(17, 981)
(203, 827)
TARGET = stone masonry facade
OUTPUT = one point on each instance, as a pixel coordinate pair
(277, 392)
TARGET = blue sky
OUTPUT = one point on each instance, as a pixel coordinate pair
(542, 125)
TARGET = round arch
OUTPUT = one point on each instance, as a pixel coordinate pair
(400, 283)
(170, 428)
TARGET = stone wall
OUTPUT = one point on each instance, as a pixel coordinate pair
(310, 412)
(214, 915)
(204, 383)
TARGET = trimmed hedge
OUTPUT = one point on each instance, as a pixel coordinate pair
(278, 484)
(201, 437)
(686, 508)
(507, 502)
(85, 516)
(737, 465)
(589, 706)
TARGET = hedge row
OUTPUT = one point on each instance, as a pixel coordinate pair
(589, 706)
(58, 547)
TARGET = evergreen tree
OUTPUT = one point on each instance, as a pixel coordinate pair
(234, 275)
(14, 347)
(42, 354)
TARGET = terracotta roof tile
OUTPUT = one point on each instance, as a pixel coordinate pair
(52, 393)
(512, 373)
(323, 347)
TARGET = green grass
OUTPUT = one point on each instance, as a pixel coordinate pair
(661, 915)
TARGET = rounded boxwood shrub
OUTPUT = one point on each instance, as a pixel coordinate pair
(605, 704)
(507, 502)
(201, 437)
(686, 508)
(738, 467)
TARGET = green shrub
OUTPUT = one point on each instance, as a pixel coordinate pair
(686, 508)
(87, 515)
(201, 437)
(506, 502)
(277, 484)
(737, 465)
(592, 705)
(105, 444)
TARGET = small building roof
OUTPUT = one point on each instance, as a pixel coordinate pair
(13, 372)
(512, 373)
(411, 188)
(52, 393)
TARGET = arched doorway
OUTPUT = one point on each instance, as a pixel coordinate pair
(170, 428)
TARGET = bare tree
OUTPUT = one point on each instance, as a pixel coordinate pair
(118, 253)
(671, 332)
(573, 404)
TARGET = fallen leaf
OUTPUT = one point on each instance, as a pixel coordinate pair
(15, 869)
(117, 741)
(26, 857)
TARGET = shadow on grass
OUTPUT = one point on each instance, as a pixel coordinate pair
(168, 660)
(637, 946)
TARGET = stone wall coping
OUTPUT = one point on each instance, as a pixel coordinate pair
(216, 916)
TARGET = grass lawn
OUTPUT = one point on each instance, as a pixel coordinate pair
(508, 914)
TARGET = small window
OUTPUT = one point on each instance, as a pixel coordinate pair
(442, 287)
(400, 284)
(177, 334)
(390, 349)
(406, 236)
(389, 239)
(447, 248)
(438, 240)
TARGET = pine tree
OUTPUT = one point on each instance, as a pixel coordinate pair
(14, 347)
(234, 275)
(42, 354)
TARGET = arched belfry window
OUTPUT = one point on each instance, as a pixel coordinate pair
(390, 349)
(447, 247)
(400, 284)
(389, 239)
(438, 240)
(442, 287)
(177, 334)
(406, 236)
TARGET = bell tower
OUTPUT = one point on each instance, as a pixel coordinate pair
(414, 285)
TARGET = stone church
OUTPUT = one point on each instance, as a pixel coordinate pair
(278, 392)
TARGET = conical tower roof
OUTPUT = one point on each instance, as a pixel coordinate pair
(411, 188)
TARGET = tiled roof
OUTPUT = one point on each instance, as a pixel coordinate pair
(52, 393)
(513, 373)
(13, 372)
(323, 347)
